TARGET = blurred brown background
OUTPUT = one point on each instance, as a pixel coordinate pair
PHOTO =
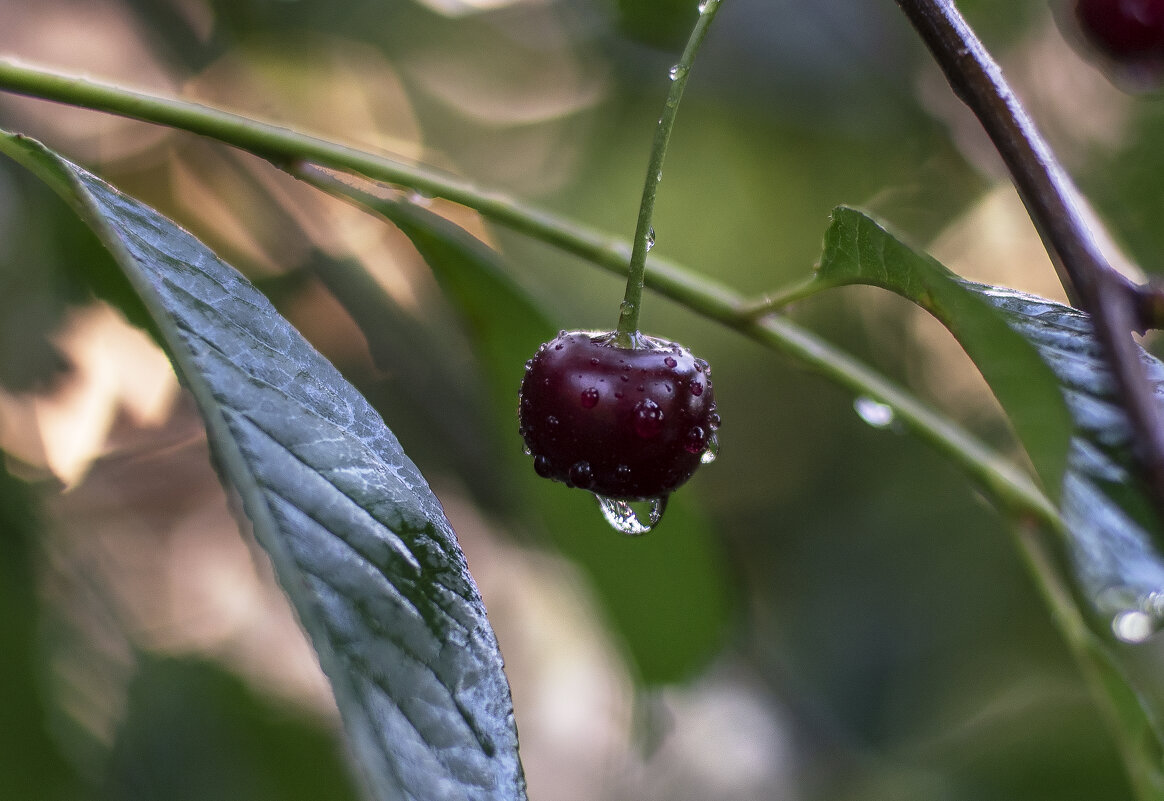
(828, 612)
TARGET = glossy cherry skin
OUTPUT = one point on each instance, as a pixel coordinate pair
(1126, 30)
(629, 424)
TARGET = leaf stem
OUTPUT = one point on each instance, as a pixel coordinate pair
(1117, 305)
(1011, 488)
(644, 238)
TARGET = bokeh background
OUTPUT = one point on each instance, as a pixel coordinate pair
(829, 612)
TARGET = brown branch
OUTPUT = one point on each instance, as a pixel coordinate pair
(1116, 305)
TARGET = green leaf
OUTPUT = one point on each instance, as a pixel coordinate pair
(859, 251)
(1044, 364)
(357, 539)
(31, 761)
(1114, 530)
(665, 595)
(192, 731)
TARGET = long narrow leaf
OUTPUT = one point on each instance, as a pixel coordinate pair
(357, 539)
(1046, 368)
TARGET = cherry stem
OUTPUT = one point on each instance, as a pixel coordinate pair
(1116, 305)
(628, 314)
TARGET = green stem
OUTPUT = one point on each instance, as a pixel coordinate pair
(644, 239)
(1012, 489)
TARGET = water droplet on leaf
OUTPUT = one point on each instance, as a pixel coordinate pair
(1133, 626)
(650, 238)
(875, 413)
(622, 516)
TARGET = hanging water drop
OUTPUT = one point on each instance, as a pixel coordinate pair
(1133, 626)
(712, 450)
(622, 517)
(650, 238)
(875, 413)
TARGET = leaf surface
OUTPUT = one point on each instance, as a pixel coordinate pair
(358, 540)
(1047, 370)
(859, 251)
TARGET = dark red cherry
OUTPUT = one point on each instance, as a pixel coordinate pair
(628, 424)
(1126, 30)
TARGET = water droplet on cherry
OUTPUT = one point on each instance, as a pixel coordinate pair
(581, 475)
(696, 440)
(623, 518)
(648, 419)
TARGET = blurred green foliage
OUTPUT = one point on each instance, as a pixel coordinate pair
(851, 568)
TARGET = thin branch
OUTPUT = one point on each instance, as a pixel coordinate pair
(1117, 305)
(644, 239)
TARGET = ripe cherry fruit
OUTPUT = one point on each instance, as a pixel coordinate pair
(626, 424)
(1126, 30)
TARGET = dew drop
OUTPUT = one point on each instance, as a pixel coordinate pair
(712, 450)
(525, 449)
(618, 394)
(875, 413)
(696, 440)
(675, 72)
(713, 421)
(589, 397)
(551, 420)
(648, 419)
(650, 238)
(670, 361)
(418, 198)
(542, 466)
(622, 472)
(529, 364)
(581, 475)
(1133, 626)
(704, 5)
(696, 387)
(594, 361)
(623, 518)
